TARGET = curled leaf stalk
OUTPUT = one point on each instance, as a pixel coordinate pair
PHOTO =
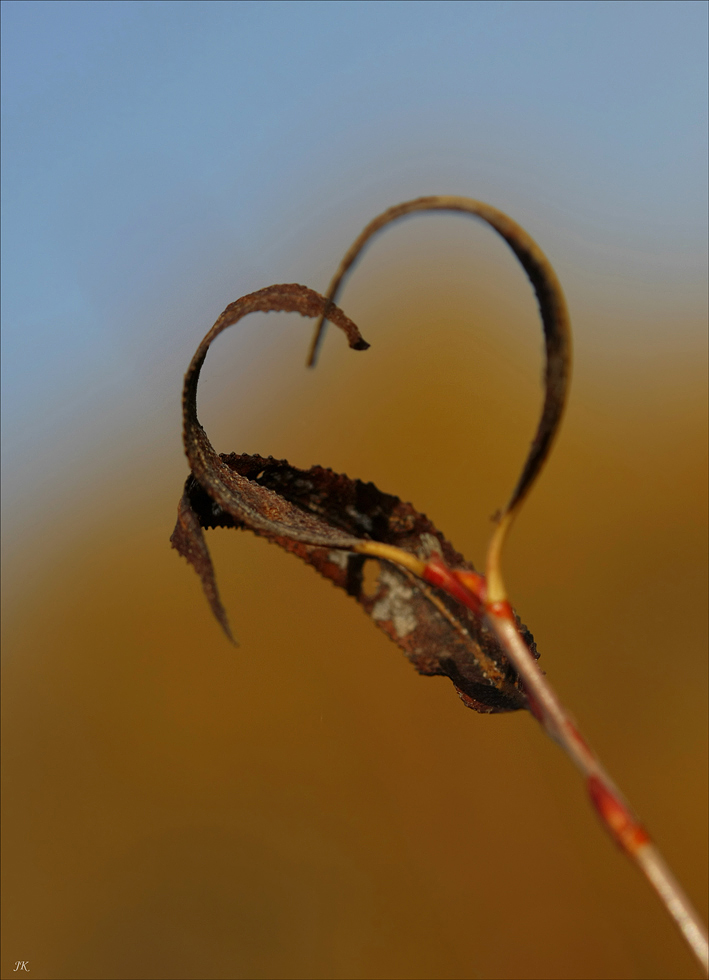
(489, 594)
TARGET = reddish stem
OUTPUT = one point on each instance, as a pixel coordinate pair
(470, 589)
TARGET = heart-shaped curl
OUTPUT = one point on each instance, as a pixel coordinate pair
(337, 524)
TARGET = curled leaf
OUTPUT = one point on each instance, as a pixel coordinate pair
(331, 521)
(437, 634)
(243, 499)
(325, 518)
(552, 307)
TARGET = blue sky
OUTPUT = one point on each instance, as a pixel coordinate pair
(160, 159)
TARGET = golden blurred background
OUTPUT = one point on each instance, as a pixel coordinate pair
(307, 806)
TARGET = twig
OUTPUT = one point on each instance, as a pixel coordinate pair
(614, 812)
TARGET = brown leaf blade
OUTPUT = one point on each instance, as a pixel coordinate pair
(437, 635)
(246, 501)
(322, 517)
(550, 297)
(188, 540)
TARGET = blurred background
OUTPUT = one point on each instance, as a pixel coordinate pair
(307, 806)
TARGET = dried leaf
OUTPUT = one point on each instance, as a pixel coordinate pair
(464, 627)
(326, 518)
(437, 634)
(323, 517)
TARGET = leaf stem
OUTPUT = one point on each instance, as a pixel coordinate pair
(614, 812)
